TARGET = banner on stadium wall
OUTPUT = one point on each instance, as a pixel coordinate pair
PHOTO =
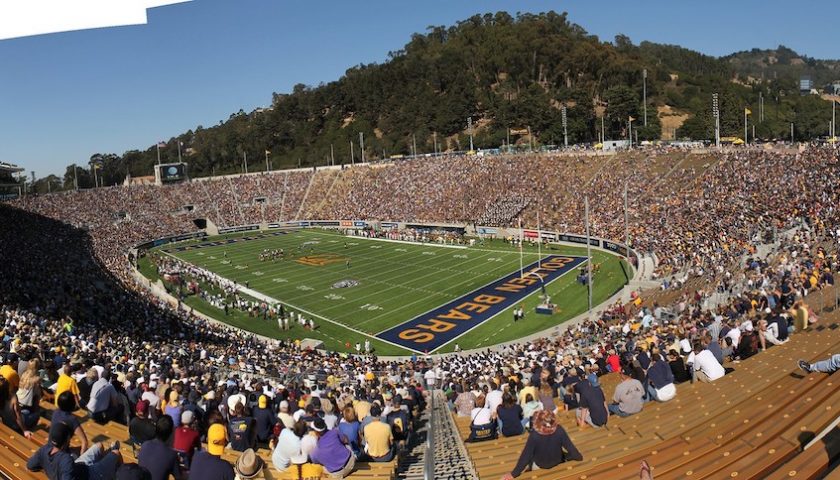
(240, 228)
(486, 231)
(388, 225)
(346, 223)
(302, 224)
(578, 239)
(325, 223)
(359, 224)
(173, 239)
(550, 236)
(529, 233)
(444, 228)
(615, 247)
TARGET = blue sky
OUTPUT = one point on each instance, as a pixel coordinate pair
(66, 96)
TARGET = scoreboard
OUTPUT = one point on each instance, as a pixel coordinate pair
(171, 173)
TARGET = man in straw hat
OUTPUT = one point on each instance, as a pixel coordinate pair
(248, 465)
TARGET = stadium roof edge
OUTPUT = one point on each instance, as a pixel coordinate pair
(10, 168)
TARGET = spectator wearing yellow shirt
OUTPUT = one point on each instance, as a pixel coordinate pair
(379, 440)
(799, 312)
(66, 383)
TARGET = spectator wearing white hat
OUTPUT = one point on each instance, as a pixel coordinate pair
(187, 440)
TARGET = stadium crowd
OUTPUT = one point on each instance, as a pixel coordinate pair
(79, 332)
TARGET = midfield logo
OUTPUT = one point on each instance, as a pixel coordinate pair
(321, 260)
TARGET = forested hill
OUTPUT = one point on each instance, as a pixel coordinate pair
(504, 72)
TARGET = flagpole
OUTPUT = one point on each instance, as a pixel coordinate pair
(588, 252)
(179, 151)
(521, 275)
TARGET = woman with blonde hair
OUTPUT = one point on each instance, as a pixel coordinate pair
(29, 394)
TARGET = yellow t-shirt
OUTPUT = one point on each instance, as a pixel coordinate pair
(378, 437)
(65, 383)
(307, 471)
(11, 376)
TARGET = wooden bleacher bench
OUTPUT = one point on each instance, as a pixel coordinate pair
(750, 442)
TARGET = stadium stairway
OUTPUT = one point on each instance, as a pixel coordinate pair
(451, 462)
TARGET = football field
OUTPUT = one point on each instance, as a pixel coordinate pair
(403, 297)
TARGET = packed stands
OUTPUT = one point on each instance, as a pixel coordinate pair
(68, 303)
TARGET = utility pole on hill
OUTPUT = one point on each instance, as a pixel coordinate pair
(644, 92)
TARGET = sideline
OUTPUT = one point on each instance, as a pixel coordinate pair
(416, 244)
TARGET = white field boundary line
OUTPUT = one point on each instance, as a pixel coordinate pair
(416, 244)
(266, 298)
(505, 310)
(476, 289)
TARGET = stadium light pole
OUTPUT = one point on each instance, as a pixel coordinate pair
(332, 155)
(266, 160)
(362, 146)
(245, 158)
(539, 237)
(565, 132)
(626, 219)
(716, 114)
(434, 140)
(179, 150)
(791, 133)
(521, 275)
(414, 144)
(352, 154)
(588, 252)
(470, 128)
(644, 92)
(530, 140)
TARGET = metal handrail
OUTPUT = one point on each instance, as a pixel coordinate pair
(429, 457)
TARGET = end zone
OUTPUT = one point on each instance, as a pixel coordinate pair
(435, 328)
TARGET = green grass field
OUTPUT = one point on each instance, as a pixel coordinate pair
(397, 282)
